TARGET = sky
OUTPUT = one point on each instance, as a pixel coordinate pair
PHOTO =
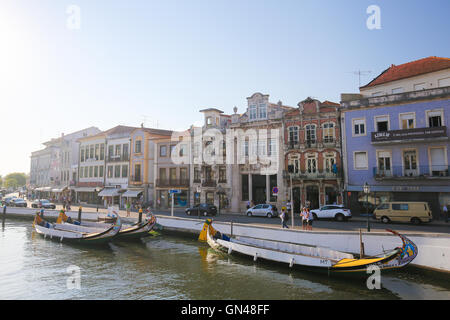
(160, 62)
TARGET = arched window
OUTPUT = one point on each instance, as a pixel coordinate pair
(328, 132)
(310, 133)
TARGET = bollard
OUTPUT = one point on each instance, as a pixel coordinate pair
(140, 215)
(79, 213)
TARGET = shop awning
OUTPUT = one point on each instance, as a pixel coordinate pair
(109, 192)
(132, 193)
(84, 189)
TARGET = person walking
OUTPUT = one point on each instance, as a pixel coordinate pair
(310, 219)
(445, 213)
(283, 217)
(304, 217)
(128, 205)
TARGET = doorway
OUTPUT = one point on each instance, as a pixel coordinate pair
(259, 189)
(296, 194)
(312, 196)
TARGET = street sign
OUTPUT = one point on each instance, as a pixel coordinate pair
(172, 191)
(274, 190)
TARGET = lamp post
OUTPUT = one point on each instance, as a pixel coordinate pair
(366, 189)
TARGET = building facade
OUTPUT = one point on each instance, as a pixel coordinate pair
(313, 156)
(398, 142)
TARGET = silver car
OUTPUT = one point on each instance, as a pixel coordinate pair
(263, 210)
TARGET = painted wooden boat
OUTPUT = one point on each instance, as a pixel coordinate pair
(76, 233)
(307, 256)
(127, 232)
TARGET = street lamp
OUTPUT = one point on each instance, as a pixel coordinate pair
(366, 189)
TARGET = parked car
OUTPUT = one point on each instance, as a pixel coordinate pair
(44, 203)
(403, 211)
(335, 211)
(18, 202)
(263, 210)
(8, 200)
(203, 209)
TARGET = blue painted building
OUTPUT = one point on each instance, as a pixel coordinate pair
(399, 145)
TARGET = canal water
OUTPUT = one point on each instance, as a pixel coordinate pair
(173, 267)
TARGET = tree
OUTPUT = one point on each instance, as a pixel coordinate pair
(15, 180)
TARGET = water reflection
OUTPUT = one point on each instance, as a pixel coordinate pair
(169, 267)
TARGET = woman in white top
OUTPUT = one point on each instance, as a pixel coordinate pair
(310, 219)
(304, 217)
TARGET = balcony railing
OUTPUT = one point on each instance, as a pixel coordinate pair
(418, 172)
(136, 179)
(209, 183)
(119, 158)
(172, 182)
(311, 175)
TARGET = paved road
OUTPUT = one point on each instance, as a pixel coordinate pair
(354, 224)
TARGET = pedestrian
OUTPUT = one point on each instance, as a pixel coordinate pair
(283, 217)
(310, 218)
(304, 217)
(128, 208)
(445, 213)
(248, 205)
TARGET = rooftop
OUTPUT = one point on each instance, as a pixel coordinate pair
(410, 69)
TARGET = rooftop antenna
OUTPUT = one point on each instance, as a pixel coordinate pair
(360, 73)
(144, 119)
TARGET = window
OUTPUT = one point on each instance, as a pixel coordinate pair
(100, 172)
(81, 172)
(294, 163)
(360, 160)
(311, 162)
(110, 171)
(438, 162)
(110, 152)
(209, 121)
(124, 171)
(444, 82)
(118, 149)
(382, 123)
(173, 174)
(162, 174)
(252, 112)
(86, 172)
(293, 134)
(183, 149)
(138, 146)
(420, 86)
(310, 134)
(208, 174)
(407, 121)
(245, 148)
(384, 162)
(435, 118)
(125, 151)
(90, 172)
(172, 149)
(410, 162)
(400, 206)
(82, 155)
(222, 174)
(359, 127)
(97, 152)
(383, 206)
(102, 151)
(96, 171)
(163, 151)
(196, 174)
(244, 187)
(272, 147)
(328, 132)
(330, 163)
(397, 90)
(117, 171)
(91, 152)
(137, 172)
(183, 174)
(210, 198)
(262, 111)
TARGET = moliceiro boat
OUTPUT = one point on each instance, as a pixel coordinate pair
(127, 232)
(76, 233)
(308, 256)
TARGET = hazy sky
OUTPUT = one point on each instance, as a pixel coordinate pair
(163, 61)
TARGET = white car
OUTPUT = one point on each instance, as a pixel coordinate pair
(263, 210)
(332, 211)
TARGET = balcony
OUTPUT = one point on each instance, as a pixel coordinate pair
(417, 172)
(118, 158)
(209, 183)
(409, 135)
(172, 183)
(311, 175)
